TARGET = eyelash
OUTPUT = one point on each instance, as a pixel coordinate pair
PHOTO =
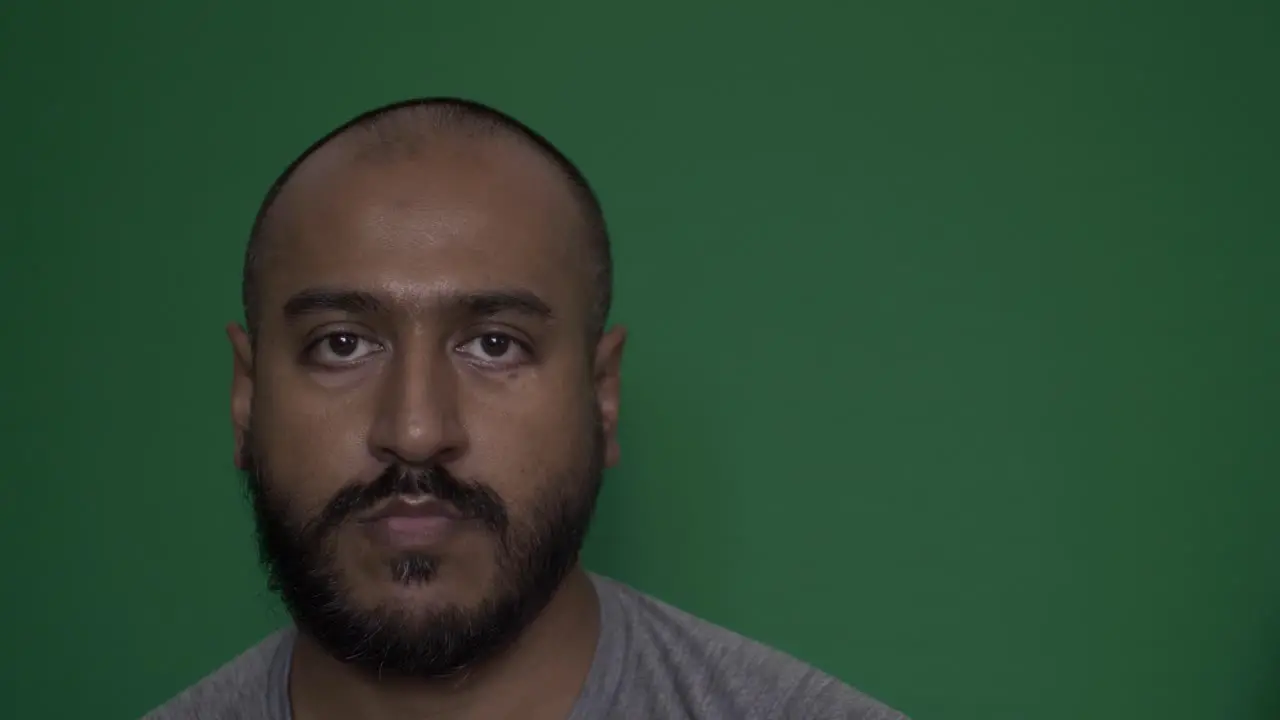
(519, 344)
(311, 347)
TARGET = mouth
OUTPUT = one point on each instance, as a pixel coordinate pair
(414, 506)
(412, 522)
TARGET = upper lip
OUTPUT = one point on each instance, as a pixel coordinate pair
(418, 506)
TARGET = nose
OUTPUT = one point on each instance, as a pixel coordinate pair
(417, 419)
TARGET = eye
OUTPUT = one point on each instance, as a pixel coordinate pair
(341, 348)
(496, 349)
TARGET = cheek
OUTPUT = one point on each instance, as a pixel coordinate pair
(311, 446)
(529, 440)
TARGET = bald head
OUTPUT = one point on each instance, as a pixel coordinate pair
(423, 132)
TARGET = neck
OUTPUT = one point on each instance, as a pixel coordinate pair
(538, 677)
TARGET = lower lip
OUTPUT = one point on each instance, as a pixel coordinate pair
(403, 531)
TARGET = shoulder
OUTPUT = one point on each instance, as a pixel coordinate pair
(726, 675)
(242, 688)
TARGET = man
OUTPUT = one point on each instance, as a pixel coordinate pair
(425, 396)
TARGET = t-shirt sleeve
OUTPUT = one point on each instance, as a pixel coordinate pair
(822, 697)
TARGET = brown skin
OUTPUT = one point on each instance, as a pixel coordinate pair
(470, 215)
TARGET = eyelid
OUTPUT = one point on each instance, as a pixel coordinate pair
(318, 333)
(312, 346)
(520, 345)
(517, 336)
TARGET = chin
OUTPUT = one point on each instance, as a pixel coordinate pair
(412, 587)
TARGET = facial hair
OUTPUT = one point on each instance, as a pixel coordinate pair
(533, 556)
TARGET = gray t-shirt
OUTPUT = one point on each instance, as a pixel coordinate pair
(652, 661)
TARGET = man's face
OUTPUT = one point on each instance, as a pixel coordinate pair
(424, 418)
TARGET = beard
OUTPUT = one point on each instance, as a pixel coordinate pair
(533, 556)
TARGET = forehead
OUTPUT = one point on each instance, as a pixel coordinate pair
(461, 214)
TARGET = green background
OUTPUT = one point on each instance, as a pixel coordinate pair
(954, 353)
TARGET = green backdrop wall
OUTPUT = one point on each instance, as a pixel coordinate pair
(954, 353)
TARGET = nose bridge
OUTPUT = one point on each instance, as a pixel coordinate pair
(417, 404)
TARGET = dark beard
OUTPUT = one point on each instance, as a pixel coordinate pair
(533, 559)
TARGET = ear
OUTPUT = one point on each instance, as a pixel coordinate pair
(608, 369)
(241, 386)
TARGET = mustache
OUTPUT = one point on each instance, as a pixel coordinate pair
(473, 501)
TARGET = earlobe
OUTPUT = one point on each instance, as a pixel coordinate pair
(608, 381)
(241, 387)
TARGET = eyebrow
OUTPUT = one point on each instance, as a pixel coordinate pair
(357, 302)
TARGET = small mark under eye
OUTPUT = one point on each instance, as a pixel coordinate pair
(340, 349)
